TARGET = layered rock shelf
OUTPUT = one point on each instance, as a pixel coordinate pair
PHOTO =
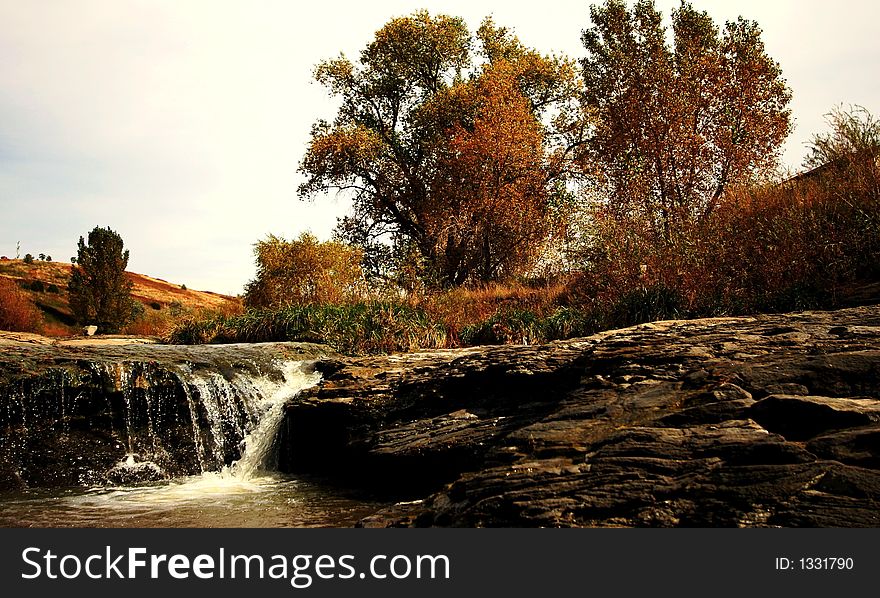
(771, 420)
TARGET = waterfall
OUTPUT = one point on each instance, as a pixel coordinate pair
(243, 414)
(124, 422)
(157, 436)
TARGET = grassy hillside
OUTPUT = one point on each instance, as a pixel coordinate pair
(45, 286)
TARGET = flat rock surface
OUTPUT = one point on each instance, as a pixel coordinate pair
(771, 420)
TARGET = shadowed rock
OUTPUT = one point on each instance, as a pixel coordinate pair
(682, 423)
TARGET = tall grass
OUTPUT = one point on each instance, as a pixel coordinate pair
(797, 245)
(369, 327)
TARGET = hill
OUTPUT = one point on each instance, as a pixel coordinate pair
(45, 285)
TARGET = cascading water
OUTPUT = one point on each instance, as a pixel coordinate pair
(173, 444)
(242, 413)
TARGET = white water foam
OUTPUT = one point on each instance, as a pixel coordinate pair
(265, 399)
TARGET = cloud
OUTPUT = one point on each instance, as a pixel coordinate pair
(180, 124)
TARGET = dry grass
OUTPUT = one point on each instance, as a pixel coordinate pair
(785, 247)
(460, 308)
(54, 311)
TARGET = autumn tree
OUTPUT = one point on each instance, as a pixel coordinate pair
(682, 117)
(99, 290)
(421, 113)
(490, 216)
(304, 271)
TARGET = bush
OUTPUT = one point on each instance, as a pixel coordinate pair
(156, 305)
(17, 313)
(53, 288)
(28, 258)
(151, 323)
(37, 286)
(304, 271)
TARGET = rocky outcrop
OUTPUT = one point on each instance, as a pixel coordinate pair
(763, 421)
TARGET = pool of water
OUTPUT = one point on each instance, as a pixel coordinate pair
(209, 500)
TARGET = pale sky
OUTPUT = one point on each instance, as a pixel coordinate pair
(180, 123)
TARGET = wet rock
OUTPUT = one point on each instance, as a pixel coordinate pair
(130, 472)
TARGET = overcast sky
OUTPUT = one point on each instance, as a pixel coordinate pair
(180, 123)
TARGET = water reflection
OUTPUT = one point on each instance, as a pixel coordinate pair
(209, 500)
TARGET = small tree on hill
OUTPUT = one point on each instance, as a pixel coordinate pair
(100, 293)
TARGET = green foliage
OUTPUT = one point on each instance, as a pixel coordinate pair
(645, 304)
(37, 286)
(155, 305)
(371, 327)
(53, 288)
(28, 258)
(524, 326)
(99, 290)
(137, 311)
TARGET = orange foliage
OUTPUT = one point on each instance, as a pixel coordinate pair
(17, 313)
(490, 213)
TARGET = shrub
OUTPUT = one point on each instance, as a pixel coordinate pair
(37, 286)
(304, 271)
(156, 305)
(53, 288)
(176, 308)
(151, 323)
(28, 258)
(17, 313)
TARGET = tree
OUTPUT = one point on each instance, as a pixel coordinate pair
(490, 216)
(28, 258)
(304, 271)
(100, 291)
(682, 117)
(411, 110)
